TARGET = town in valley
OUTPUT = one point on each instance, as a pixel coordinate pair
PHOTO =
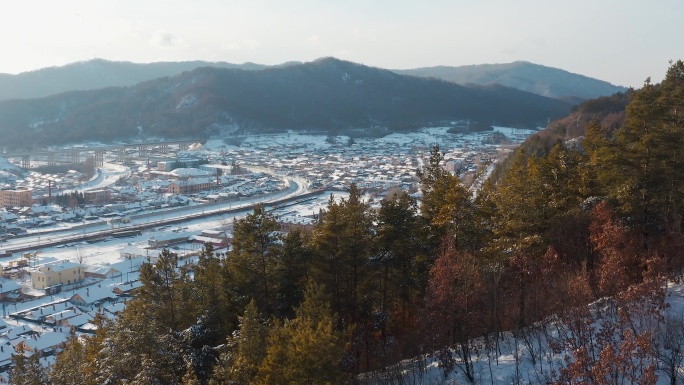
(72, 244)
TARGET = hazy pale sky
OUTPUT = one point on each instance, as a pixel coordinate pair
(620, 41)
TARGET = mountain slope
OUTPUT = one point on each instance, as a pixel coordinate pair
(541, 80)
(98, 73)
(327, 94)
(95, 74)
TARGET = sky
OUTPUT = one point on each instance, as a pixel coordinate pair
(619, 41)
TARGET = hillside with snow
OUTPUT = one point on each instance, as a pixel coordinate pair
(617, 340)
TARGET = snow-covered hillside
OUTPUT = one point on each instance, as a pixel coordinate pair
(637, 337)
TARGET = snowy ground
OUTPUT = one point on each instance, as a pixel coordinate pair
(107, 175)
(514, 364)
(423, 137)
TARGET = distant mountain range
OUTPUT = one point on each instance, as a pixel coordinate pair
(98, 73)
(535, 78)
(327, 94)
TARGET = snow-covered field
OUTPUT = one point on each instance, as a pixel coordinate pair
(423, 137)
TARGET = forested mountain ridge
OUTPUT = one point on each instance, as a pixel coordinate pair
(99, 73)
(95, 74)
(526, 76)
(369, 287)
(327, 94)
(607, 111)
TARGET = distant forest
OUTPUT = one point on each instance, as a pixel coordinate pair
(325, 95)
(367, 288)
(541, 80)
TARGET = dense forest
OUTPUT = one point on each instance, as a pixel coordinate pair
(367, 288)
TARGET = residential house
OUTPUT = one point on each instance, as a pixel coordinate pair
(43, 344)
(100, 271)
(115, 309)
(9, 290)
(57, 318)
(129, 266)
(126, 288)
(95, 295)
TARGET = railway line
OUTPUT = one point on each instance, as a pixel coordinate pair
(91, 232)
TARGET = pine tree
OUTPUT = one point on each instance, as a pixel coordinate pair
(210, 296)
(68, 364)
(89, 369)
(140, 349)
(342, 243)
(447, 205)
(190, 378)
(399, 247)
(254, 263)
(249, 349)
(161, 290)
(296, 262)
(521, 219)
(306, 350)
(149, 373)
(327, 243)
(485, 213)
(641, 168)
(28, 370)
(562, 182)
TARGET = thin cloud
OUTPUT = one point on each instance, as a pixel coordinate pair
(165, 39)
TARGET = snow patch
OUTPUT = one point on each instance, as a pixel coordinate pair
(187, 101)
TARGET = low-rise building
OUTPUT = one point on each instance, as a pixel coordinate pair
(16, 198)
(93, 296)
(97, 196)
(43, 344)
(163, 240)
(9, 289)
(56, 273)
(191, 185)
